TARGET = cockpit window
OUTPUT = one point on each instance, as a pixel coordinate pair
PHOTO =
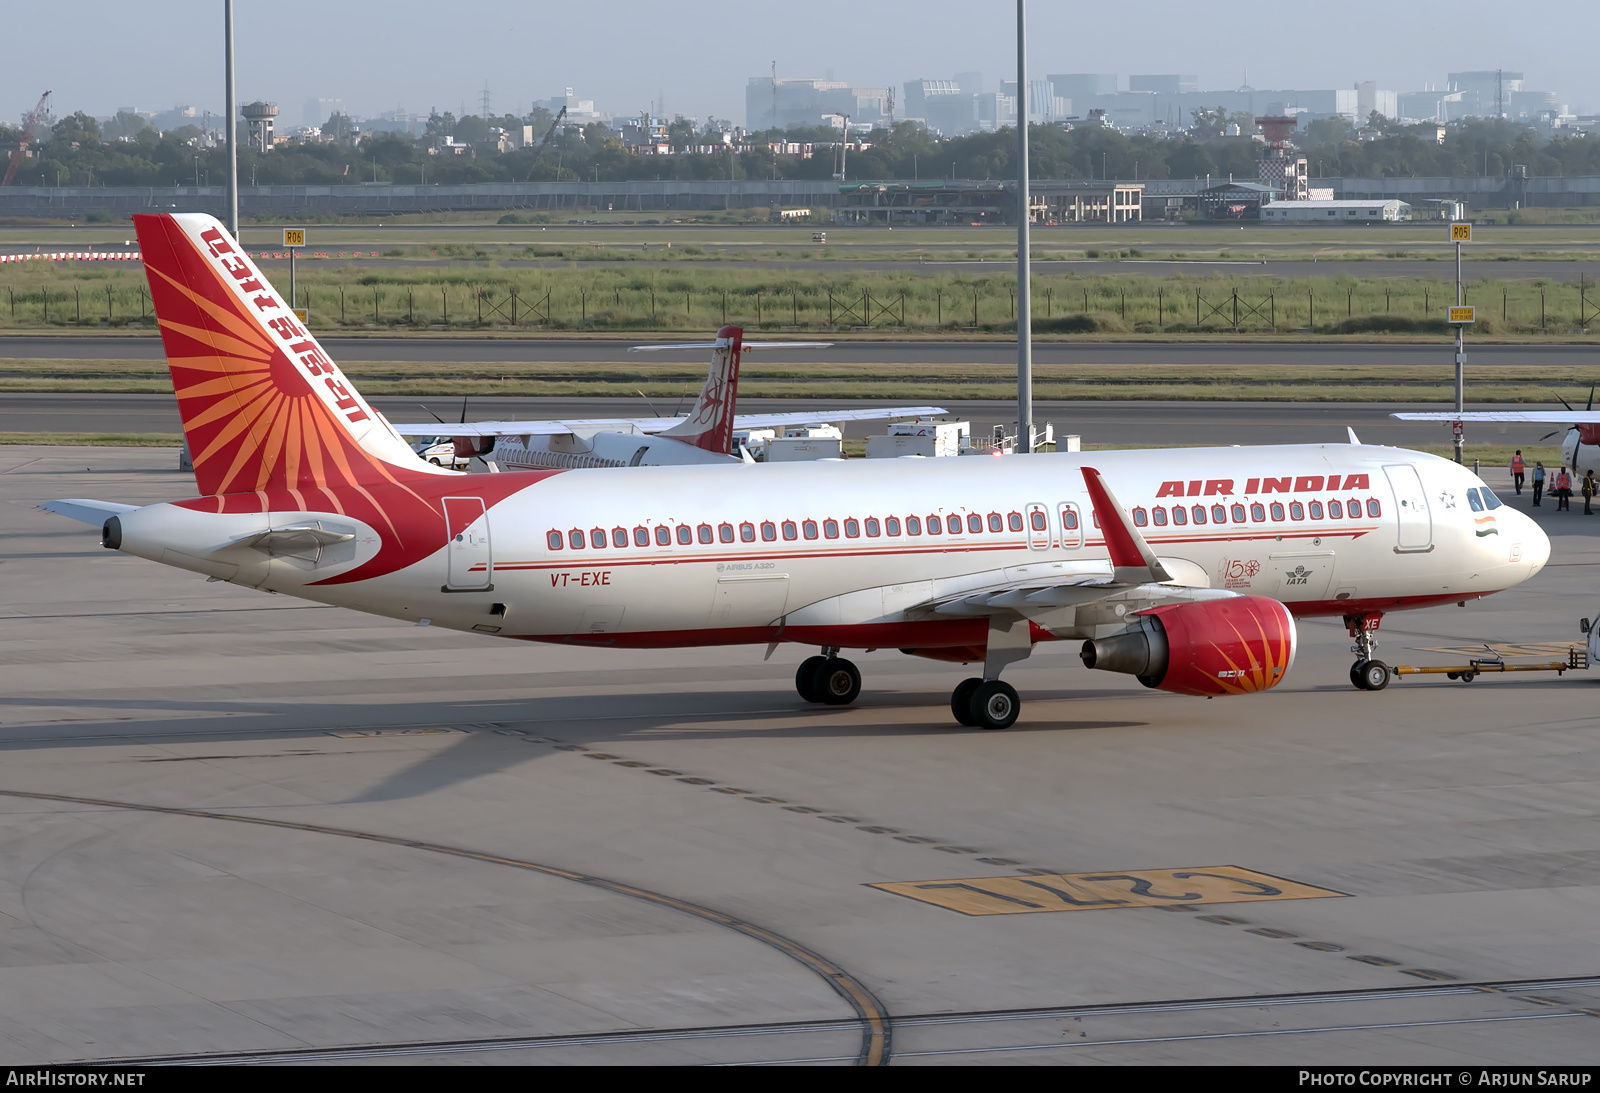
(1489, 499)
(1472, 499)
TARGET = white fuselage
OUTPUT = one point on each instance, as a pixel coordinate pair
(566, 451)
(1405, 537)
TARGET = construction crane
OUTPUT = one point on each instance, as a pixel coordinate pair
(550, 132)
(33, 119)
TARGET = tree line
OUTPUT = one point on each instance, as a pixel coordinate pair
(79, 151)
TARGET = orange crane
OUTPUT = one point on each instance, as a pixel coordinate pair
(33, 119)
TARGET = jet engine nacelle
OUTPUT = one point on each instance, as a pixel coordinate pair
(1213, 647)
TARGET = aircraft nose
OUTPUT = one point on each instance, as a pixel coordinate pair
(1535, 545)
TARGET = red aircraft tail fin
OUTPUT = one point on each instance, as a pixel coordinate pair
(263, 406)
(710, 424)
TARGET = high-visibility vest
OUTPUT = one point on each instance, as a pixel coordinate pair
(1563, 481)
(1517, 466)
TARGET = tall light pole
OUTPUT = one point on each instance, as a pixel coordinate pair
(230, 125)
(1024, 209)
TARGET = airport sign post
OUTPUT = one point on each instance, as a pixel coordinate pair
(293, 240)
(1459, 316)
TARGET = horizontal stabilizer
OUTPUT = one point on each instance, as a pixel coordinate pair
(90, 512)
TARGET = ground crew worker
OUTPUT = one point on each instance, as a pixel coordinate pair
(1588, 492)
(1563, 490)
(1518, 468)
(1538, 481)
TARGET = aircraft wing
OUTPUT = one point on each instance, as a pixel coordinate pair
(588, 426)
(581, 426)
(810, 417)
(1531, 417)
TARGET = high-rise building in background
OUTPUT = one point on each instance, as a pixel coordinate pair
(777, 102)
(1164, 85)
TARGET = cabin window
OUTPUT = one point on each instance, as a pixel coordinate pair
(1297, 511)
(1158, 516)
(1277, 510)
(1335, 510)
(685, 534)
(1037, 521)
(913, 526)
(1372, 508)
(852, 527)
(1199, 514)
(1353, 508)
(935, 525)
(790, 532)
(641, 536)
(747, 532)
(703, 532)
(1238, 514)
(873, 530)
(1258, 512)
(663, 535)
(725, 533)
(1014, 521)
(974, 523)
(830, 529)
(1316, 510)
(891, 525)
(619, 537)
(997, 522)
(553, 539)
(598, 538)
(1140, 518)
(1219, 514)
(769, 531)
(1069, 519)
(810, 528)
(575, 537)
(1179, 515)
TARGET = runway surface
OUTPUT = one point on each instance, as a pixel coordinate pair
(844, 351)
(245, 829)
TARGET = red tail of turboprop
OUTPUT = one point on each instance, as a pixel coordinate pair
(710, 425)
(263, 406)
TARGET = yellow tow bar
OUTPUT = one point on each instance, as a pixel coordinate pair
(1577, 660)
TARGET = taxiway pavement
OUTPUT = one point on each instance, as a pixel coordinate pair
(235, 823)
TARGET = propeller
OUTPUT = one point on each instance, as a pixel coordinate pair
(433, 415)
(648, 403)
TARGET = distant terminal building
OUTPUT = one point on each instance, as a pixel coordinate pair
(1335, 212)
(929, 202)
(1095, 203)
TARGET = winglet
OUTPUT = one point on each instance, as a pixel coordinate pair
(1353, 438)
(1132, 560)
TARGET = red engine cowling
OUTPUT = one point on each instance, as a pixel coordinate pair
(1213, 647)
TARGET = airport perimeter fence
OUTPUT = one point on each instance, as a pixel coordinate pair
(977, 305)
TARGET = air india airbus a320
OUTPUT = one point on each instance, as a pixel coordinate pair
(1183, 569)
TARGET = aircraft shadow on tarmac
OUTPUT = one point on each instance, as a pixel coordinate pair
(481, 751)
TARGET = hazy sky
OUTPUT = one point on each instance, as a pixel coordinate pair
(98, 55)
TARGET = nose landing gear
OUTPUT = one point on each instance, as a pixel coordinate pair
(1368, 673)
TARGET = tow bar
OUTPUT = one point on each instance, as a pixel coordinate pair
(1577, 661)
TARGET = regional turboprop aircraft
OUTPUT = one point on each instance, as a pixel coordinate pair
(1190, 584)
(1580, 447)
(703, 436)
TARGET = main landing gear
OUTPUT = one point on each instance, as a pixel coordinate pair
(828, 679)
(1368, 673)
(981, 703)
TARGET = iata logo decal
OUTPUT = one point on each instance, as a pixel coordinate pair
(1238, 574)
(1297, 577)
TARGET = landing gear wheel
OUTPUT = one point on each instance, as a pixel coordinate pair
(837, 682)
(961, 701)
(1375, 675)
(805, 679)
(994, 705)
(1355, 675)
